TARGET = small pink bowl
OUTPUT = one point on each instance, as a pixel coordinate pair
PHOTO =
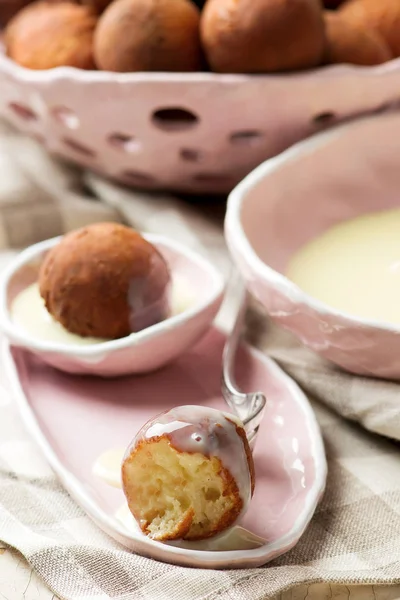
(292, 198)
(139, 352)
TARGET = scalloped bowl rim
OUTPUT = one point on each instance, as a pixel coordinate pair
(243, 247)
(13, 332)
(86, 76)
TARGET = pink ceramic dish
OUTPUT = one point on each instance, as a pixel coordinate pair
(143, 351)
(75, 419)
(196, 132)
(294, 197)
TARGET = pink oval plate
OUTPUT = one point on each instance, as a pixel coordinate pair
(74, 419)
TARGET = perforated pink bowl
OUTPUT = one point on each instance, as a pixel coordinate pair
(294, 197)
(197, 132)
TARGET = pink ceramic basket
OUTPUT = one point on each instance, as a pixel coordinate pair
(197, 132)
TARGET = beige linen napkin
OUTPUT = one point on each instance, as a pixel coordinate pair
(354, 536)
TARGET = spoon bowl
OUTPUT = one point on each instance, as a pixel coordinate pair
(140, 352)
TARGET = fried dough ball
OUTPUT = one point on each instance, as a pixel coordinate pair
(261, 36)
(383, 16)
(149, 35)
(105, 281)
(349, 43)
(44, 36)
(189, 474)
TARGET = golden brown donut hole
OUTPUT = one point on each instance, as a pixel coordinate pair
(105, 281)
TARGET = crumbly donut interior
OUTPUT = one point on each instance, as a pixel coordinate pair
(176, 494)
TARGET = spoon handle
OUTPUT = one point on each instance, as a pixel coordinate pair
(248, 406)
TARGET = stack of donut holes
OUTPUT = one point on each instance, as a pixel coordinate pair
(223, 36)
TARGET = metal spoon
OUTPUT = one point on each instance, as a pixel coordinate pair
(249, 407)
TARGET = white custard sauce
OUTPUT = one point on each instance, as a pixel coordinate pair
(29, 313)
(354, 267)
(108, 466)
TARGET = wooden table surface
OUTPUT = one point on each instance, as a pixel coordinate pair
(19, 582)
